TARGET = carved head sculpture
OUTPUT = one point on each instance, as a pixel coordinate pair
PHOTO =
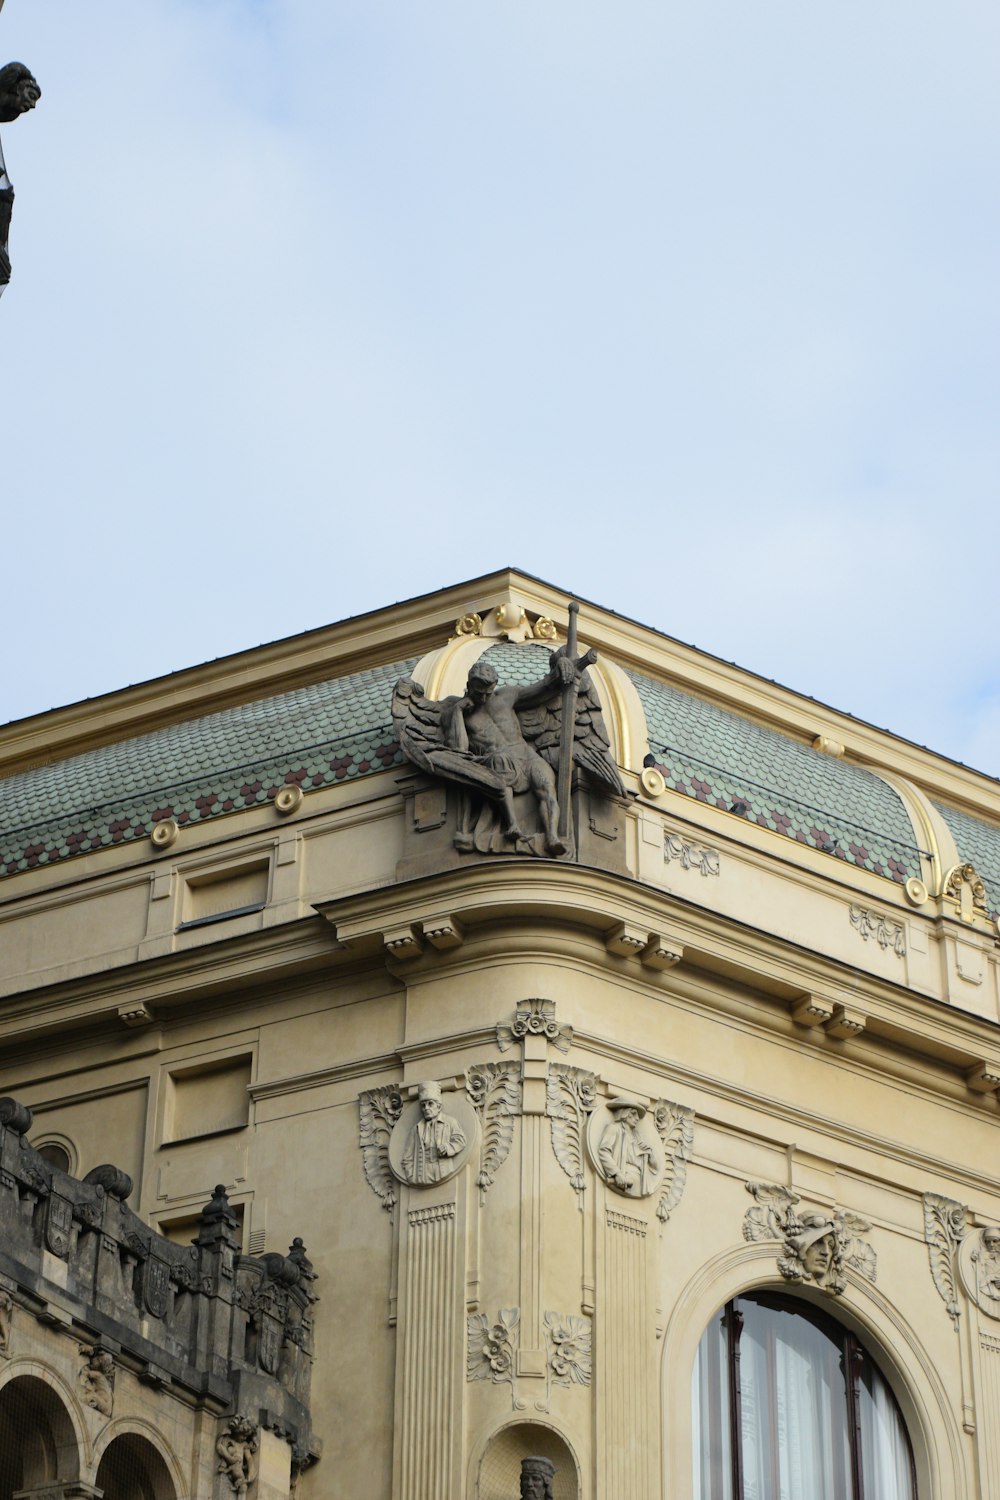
(626, 1111)
(482, 681)
(537, 1475)
(429, 1095)
(991, 1241)
(815, 1250)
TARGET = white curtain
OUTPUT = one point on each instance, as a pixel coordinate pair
(884, 1444)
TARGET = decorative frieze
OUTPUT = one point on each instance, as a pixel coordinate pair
(816, 1247)
(570, 1097)
(691, 856)
(494, 1090)
(535, 1018)
(876, 925)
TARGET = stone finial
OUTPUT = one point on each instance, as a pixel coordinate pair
(218, 1222)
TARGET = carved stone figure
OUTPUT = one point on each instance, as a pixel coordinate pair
(537, 1477)
(495, 742)
(237, 1450)
(962, 1256)
(97, 1380)
(987, 1262)
(18, 93)
(433, 1139)
(6, 1319)
(628, 1162)
(817, 1246)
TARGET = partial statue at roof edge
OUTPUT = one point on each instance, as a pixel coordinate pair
(19, 92)
(496, 743)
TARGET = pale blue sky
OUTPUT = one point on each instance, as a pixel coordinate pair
(692, 308)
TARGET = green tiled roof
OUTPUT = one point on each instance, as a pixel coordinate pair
(978, 844)
(718, 757)
(315, 736)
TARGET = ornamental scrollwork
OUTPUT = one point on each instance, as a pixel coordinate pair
(817, 1247)
(494, 1091)
(570, 1096)
(675, 1127)
(535, 1018)
(691, 856)
(944, 1229)
(492, 1346)
(379, 1110)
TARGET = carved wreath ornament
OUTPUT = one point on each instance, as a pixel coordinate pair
(817, 1247)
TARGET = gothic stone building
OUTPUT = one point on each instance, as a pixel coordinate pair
(423, 1052)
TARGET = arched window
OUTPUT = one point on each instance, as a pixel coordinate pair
(131, 1469)
(788, 1404)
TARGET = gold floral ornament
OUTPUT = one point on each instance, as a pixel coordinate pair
(545, 629)
(470, 624)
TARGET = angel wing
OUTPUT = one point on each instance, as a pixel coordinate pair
(420, 728)
(675, 1127)
(591, 746)
(944, 1228)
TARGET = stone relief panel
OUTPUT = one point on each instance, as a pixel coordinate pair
(625, 1147)
(379, 1111)
(535, 1018)
(493, 1346)
(675, 1127)
(570, 1097)
(883, 930)
(568, 1342)
(433, 1138)
(691, 856)
(962, 1256)
(237, 1447)
(814, 1247)
(492, 1351)
(494, 1090)
(97, 1380)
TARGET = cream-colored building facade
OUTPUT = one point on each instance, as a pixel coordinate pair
(754, 1009)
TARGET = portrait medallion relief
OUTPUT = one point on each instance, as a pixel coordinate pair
(434, 1136)
(625, 1147)
(979, 1268)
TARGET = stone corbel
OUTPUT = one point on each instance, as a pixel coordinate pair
(651, 950)
(845, 1023)
(984, 1077)
(812, 1011)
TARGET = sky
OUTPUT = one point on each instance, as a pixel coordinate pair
(688, 308)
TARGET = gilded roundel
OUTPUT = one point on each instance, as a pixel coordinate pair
(433, 1137)
(625, 1148)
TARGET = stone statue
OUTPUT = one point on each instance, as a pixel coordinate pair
(97, 1388)
(6, 1318)
(628, 1162)
(237, 1449)
(18, 93)
(537, 1476)
(496, 742)
(433, 1140)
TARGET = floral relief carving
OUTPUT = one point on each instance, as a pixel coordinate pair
(379, 1111)
(817, 1247)
(691, 856)
(492, 1346)
(570, 1096)
(237, 1448)
(675, 1127)
(494, 1090)
(568, 1340)
(875, 924)
(535, 1018)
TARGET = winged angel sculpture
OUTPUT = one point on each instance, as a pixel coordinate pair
(495, 743)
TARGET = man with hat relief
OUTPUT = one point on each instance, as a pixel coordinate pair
(627, 1161)
(433, 1139)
